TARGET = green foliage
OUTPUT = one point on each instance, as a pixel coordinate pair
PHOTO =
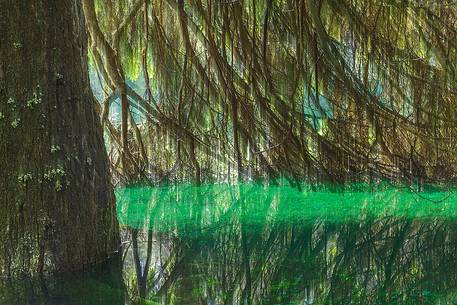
(307, 89)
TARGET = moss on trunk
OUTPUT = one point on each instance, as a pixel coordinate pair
(57, 210)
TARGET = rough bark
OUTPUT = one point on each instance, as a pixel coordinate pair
(57, 210)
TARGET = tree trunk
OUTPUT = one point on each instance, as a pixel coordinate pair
(57, 210)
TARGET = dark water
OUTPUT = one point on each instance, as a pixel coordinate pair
(252, 244)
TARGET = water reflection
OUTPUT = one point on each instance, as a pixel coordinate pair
(252, 244)
(102, 285)
(255, 245)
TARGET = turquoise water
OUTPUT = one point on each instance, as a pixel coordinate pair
(166, 208)
(258, 244)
